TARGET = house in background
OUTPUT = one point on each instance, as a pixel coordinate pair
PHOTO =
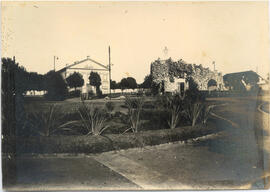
(172, 76)
(245, 80)
(85, 67)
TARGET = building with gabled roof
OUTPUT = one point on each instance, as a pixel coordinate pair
(245, 80)
(85, 67)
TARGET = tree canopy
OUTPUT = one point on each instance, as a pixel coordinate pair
(75, 80)
(95, 81)
(147, 83)
(113, 85)
(132, 84)
(56, 86)
(22, 80)
(123, 84)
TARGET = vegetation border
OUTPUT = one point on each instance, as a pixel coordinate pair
(109, 142)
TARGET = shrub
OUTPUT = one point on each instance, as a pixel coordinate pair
(134, 109)
(91, 94)
(75, 93)
(109, 106)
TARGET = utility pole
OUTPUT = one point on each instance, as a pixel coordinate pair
(54, 58)
(214, 63)
(110, 70)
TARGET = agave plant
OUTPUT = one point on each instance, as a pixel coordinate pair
(173, 105)
(47, 122)
(193, 112)
(174, 116)
(134, 109)
(93, 119)
(206, 112)
(109, 106)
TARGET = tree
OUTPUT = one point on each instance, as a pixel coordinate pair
(193, 95)
(132, 84)
(148, 80)
(113, 85)
(56, 86)
(35, 82)
(75, 80)
(123, 84)
(95, 81)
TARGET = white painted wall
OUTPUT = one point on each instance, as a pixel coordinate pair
(174, 86)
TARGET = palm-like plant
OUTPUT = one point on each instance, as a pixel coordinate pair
(193, 112)
(93, 119)
(206, 112)
(109, 106)
(134, 109)
(173, 105)
(175, 116)
(47, 122)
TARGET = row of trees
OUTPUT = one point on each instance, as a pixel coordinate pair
(18, 80)
(125, 83)
(54, 84)
(130, 83)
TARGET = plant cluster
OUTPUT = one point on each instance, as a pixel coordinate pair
(48, 122)
(93, 119)
(134, 106)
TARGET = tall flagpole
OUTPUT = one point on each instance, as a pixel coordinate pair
(110, 70)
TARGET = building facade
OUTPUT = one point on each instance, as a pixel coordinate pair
(173, 75)
(85, 67)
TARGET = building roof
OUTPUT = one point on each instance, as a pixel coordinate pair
(79, 62)
(243, 72)
(247, 72)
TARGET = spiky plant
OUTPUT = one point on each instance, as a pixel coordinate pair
(47, 122)
(174, 116)
(193, 112)
(206, 112)
(93, 119)
(109, 106)
(134, 109)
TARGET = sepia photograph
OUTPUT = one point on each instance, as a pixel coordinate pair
(125, 95)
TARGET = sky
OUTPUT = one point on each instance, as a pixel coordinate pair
(233, 34)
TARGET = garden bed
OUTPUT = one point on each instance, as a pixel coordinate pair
(108, 142)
